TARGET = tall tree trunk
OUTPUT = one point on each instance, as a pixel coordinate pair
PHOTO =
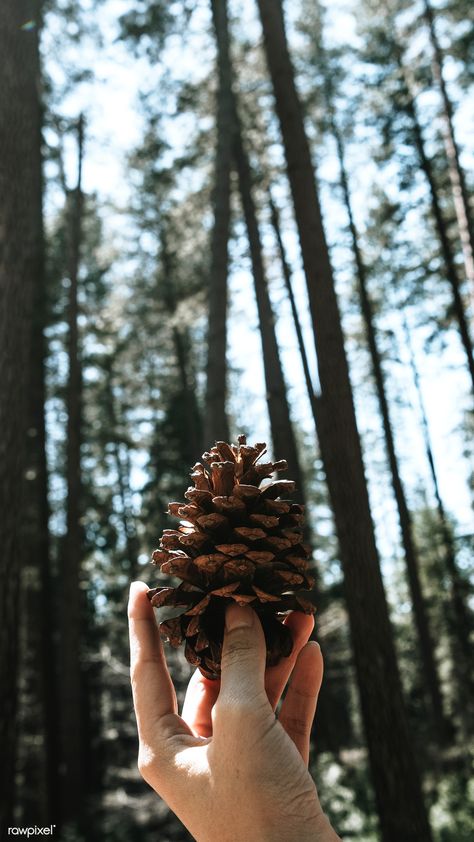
(283, 437)
(439, 221)
(397, 785)
(442, 728)
(215, 418)
(331, 697)
(191, 410)
(460, 619)
(21, 268)
(122, 467)
(284, 442)
(275, 218)
(457, 177)
(71, 731)
(128, 518)
(41, 627)
(39, 661)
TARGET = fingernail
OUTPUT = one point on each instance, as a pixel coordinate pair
(238, 617)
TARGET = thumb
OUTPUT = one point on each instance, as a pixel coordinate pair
(243, 658)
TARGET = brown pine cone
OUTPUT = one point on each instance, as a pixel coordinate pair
(237, 540)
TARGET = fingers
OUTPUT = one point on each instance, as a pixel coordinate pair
(299, 705)
(243, 665)
(200, 698)
(276, 678)
(153, 691)
(202, 694)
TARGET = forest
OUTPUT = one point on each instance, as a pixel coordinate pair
(224, 218)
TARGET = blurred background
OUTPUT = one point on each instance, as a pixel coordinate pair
(166, 282)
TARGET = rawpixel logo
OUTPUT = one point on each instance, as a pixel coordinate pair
(32, 831)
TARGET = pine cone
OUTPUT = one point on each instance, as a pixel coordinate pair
(237, 540)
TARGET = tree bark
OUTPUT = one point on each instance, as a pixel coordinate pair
(20, 270)
(216, 425)
(442, 730)
(456, 174)
(72, 620)
(396, 780)
(439, 222)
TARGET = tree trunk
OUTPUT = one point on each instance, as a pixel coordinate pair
(71, 731)
(192, 413)
(440, 225)
(20, 270)
(275, 217)
(396, 780)
(455, 170)
(283, 438)
(215, 418)
(328, 732)
(128, 516)
(39, 659)
(460, 619)
(122, 467)
(40, 631)
(442, 730)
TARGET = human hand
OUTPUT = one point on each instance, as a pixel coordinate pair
(228, 768)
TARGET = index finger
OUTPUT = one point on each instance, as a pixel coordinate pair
(153, 692)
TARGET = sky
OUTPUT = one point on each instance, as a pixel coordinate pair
(114, 128)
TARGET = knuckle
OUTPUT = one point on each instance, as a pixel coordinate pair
(231, 711)
(146, 763)
(238, 650)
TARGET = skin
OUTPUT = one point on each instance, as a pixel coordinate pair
(228, 768)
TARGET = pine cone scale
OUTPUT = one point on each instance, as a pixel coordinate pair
(237, 541)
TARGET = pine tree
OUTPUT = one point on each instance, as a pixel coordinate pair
(72, 700)
(393, 764)
(20, 272)
(439, 221)
(459, 617)
(430, 670)
(387, 52)
(215, 418)
(455, 170)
